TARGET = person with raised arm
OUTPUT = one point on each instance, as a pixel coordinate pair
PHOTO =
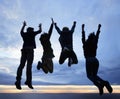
(48, 55)
(27, 55)
(92, 63)
(66, 42)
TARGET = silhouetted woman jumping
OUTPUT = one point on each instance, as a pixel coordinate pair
(92, 63)
(47, 62)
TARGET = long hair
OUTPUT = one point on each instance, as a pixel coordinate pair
(43, 37)
(91, 36)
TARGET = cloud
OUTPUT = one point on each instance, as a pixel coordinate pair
(64, 13)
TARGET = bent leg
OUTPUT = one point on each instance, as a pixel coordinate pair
(74, 57)
(64, 55)
(50, 65)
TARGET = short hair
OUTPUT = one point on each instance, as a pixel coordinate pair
(65, 29)
(30, 29)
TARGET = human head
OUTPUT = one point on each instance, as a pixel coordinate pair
(44, 36)
(30, 29)
(91, 36)
(65, 29)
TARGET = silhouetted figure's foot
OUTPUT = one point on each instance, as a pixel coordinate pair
(45, 69)
(70, 62)
(100, 87)
(107, 85)
(18, 85)
(39, 65)
(29, 85)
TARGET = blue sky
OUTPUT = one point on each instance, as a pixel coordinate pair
(64, 12)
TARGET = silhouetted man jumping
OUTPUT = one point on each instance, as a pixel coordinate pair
(66, 42)
(27, 55)
(47, 63)
(92, 63)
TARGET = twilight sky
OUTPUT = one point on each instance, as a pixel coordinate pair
(64, 12)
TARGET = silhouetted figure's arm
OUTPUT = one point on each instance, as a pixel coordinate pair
(73, 27)
(23, 27)
(40, 29)
(98, 32)
(51, 28)
(83, 34)
(57, 28)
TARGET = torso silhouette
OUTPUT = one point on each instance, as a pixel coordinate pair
(90, 47)
(29, 40)
(66, 38)
(45, 41)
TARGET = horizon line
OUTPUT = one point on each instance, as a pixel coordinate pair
(56, 89)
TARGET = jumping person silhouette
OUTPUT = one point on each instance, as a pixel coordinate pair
(66, 42)
(92, 63)
(27, 55)
(47, 63)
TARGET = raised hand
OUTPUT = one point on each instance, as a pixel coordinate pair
(83, 25)
(52, 20)
(74, 22)
(24, 23)
(99, 26)
(40, 25)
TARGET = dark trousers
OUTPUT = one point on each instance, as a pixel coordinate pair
(68, 54)
(27, 55)
(92, 65)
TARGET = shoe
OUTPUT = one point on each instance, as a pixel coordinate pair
(100, 87)
(109, 88)
(70, 62)
(17, 84)
(29, 85)
(39, 65)
(45, 69)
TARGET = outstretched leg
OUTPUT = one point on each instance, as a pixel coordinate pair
(92, 66)
(20, 69)
(30, 58)
(50, 65)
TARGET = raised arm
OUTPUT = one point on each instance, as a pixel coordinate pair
(83, 34)
(98, 31)
(73, 27)
(23, 27)
(51, 28)
(40, 29)
(57, 28)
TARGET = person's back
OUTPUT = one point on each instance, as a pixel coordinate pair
(92, 63)
(90, 46)
(29, 38)
(27, 55)
(67, 38)
(45, 41)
